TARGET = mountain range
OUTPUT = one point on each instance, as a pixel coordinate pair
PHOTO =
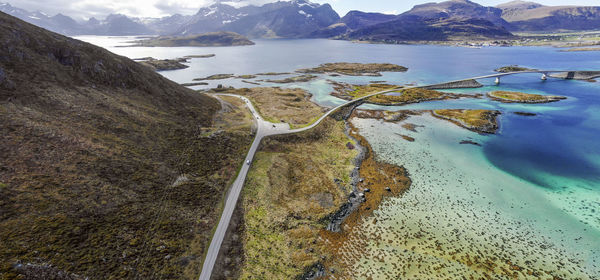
(304, 19)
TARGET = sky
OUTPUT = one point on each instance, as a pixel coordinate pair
(84, 9)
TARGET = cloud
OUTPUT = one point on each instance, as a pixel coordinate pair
(83, 9)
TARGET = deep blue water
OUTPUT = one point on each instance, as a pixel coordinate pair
(563, 140)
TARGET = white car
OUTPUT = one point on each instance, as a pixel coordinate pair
(248, 162)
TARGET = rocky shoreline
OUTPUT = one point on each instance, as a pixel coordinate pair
(354, 198)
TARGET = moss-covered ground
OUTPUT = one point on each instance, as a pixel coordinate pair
(294, 184)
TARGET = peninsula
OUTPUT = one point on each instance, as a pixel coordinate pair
(212, 39)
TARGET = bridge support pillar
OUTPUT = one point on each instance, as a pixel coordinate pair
(497, 80)
(544, 76)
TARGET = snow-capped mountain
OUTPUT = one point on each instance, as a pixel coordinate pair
(289, 19)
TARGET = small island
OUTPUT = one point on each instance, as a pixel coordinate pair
(215, 77)
(513, 68)
(246, 77)
(163, 64)
(194, 84)
(354, 69)
(272, 74)
(201, 55)
(581, 50)
(525, 114)
(521, 97)
(481, 121)
(411, 95)
(213, 39)
(297, 79)
(395, 98)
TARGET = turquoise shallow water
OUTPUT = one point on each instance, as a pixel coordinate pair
(539, 176)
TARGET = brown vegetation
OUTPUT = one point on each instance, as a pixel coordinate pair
(295, 183)
(289, 105)
(108, 170)
(483, 121)
(396, 98)
(521, 97)
(383, 180)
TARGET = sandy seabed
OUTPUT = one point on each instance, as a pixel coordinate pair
(462, 216)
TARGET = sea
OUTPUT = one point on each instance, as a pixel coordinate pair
(525, 202)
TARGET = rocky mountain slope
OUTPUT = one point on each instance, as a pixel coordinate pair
(413, 28)
(357, 19)
(108, 170)
(304, 19)
(449, 20)
(459, 10)
(530, 16)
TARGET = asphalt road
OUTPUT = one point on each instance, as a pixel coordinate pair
(265, 128)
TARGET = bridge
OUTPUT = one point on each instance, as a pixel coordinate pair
(568, 74)
(265, 128)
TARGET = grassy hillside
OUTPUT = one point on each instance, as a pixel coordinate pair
(108, 170)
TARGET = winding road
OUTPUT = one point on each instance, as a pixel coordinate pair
(265, 128)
